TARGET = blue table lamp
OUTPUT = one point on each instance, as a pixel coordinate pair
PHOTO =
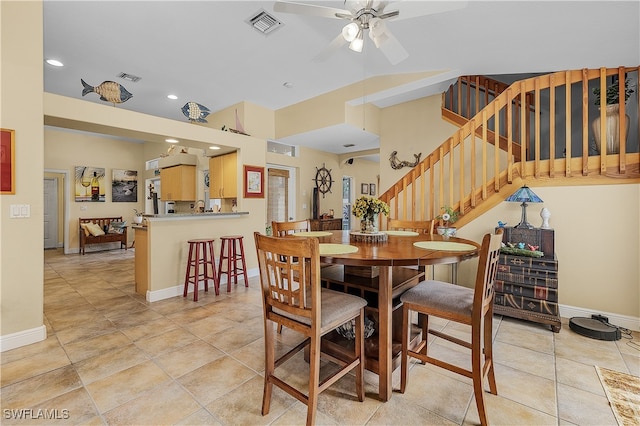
(524, 195)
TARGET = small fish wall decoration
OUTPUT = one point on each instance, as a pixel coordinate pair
(109, 91)
(195, 112)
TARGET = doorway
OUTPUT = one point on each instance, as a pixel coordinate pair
(347, 200)
(280, 194)
(50, 212)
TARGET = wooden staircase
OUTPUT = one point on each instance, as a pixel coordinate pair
(514, 134)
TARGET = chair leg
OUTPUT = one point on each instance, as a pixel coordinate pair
(314, 379)
(359, 352)
(477, 376)
(269, 367)
(404, 362)
(488, 350)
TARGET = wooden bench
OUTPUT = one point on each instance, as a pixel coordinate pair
(103, 223)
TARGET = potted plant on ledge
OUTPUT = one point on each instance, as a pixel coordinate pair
(612, 114)
(446, 221)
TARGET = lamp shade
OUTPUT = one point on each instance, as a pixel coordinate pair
(524, 195)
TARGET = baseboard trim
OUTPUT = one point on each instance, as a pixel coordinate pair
(169, 292)
(624, 321)
(22, 338)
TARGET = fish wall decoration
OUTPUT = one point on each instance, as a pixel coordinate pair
(195, 112)
(109, 91)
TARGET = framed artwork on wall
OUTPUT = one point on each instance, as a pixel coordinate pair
(124, 186)
(89, 184)
(7, 162)
(253, 182)
(364, 188)
(372, 189)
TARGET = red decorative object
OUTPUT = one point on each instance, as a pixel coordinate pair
(253, 182)
(7, 162)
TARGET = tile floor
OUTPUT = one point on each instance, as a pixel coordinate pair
(112, 358)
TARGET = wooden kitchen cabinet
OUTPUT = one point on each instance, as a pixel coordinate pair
(178, 183)
(223, 176)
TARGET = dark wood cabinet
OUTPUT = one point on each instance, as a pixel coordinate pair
(325, 224)
(527, 287)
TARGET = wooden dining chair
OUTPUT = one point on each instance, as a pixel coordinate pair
(420, 226)
(315, 313)
(280, 229)
(471, 306)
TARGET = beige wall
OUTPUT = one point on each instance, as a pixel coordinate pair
(22, 240)
(60, 210)
(65, 150)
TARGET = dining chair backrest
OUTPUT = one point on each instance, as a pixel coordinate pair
(290, 278)
(421, 226)
(486, 275)
(280, 229)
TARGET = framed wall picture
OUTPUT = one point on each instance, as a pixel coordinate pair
(364, 188)
(372, 189)
(253, 182)
(89, 184)
(7, 162)
(124, 186)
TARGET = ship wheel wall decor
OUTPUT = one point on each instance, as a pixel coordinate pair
(323, 180)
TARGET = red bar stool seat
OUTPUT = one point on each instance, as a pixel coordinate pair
(232, 252)
(201, 266)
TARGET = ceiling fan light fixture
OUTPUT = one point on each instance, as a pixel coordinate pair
(378, 31)
(358, 43)
(350, 31)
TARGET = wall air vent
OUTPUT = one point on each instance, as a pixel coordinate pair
(264, 23)
(349, 145)
(129, 77)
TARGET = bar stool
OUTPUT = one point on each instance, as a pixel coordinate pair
(232, 252)
(200, 254)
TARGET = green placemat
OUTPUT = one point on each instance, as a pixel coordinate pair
(403, 233)
(327, 248)
(444, 246)
(311, 234)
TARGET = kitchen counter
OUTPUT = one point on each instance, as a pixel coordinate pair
(205, 215)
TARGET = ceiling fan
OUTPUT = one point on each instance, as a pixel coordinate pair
(369, 15)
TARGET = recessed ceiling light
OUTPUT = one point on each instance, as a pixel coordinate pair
(214, 147)
(171, 140)
(55, 62)
(287, 84)
(173, 97)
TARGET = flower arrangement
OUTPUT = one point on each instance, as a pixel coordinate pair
(368, 206)
(136, 212)
(613, 95)
(448, 216)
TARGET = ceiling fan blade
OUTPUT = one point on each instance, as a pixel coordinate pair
(311, 9)
(335, 45)
(413, 9)
(392, 49)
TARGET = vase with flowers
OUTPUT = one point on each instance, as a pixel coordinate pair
(367, 210)
(446, 221)
(612, 117)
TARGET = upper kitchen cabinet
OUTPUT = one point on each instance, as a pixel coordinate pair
(178, 183)
(223, 176)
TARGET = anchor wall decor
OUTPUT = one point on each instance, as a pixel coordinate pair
(396, 164)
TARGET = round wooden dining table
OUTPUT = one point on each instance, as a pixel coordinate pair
(399, 249)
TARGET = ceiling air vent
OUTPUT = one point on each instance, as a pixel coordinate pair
(263, 22)
(129, 77)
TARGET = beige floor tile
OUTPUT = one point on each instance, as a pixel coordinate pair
(583, 408)
(34, 365)
(94, 346)
(38, 389)
(243, 405)
(215, 379)
(110, 362)
(571, 345)
(126, 385)
(189, 316)
(297, 415)
(527, 389)
(400, 412)
(578, 375)
(85, 331)
(519, 333)
(80, 408)
(165, 404)
(201, 417)
(235, 337)
(503, 411)
(524, 359)
(166, 342)
(51, 342)
(210, 325)
(188, 358)
(149, 329)
(125, 318)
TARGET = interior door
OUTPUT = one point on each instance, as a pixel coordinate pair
(50, 213)
(277, 195)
